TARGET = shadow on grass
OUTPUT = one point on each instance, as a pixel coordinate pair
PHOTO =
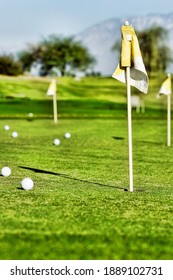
(151, 142)
(69, 177)
(142, 141)
(118, 138)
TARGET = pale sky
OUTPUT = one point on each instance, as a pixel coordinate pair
(27, 21)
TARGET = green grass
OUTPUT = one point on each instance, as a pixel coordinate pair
(78, 208)
(89, 98)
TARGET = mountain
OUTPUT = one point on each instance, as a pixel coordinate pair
(100, 38)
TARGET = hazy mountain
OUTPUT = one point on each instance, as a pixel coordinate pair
(100, 38)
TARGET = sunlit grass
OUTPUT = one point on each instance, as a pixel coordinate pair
(78, 208)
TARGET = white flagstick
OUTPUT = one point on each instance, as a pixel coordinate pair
(52, 91)
(55, 108)
(129, 110)
(169, 120)
(166, 89)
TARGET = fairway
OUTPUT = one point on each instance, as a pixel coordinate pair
(79, 207)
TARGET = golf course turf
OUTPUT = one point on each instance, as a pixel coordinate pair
(80, 207)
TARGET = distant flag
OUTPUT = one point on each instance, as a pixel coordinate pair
(166, 90)
(131, 70)
(52, 91)
(166, 86)
(52, 88)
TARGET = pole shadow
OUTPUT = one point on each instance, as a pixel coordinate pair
(69, 177)
(118, 138)
(151, 142)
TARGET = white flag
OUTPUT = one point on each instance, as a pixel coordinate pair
(166, 86)
(131, 57)
(52, 88)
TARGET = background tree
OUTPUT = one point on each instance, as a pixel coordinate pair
(10, 66)
(155, 52)
(28, 57)
(64, 54)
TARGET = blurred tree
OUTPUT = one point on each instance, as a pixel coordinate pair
(56, 52)
(28, 57)
(9, 66)
(156, 54)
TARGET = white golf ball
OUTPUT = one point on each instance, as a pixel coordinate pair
(27, 184)
(30, 115)
(14, 134)
(56, 142)
(6, 127)
(67, 135)
(6, 171)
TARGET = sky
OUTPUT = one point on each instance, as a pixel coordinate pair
(28, 21)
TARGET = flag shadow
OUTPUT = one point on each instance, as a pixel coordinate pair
(69, 177)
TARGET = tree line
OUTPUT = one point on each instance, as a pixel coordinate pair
(67, 56)
(52, 54)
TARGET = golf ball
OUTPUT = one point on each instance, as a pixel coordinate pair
(14, 134)
(27, 184)
(6, 171)
(67, 135)
(6, 127)
(56, 141)
(30, 115)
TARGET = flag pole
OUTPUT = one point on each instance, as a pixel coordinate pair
(52, 92)
(55, 108)
(169, 118)
(129, 112)
(166, 89)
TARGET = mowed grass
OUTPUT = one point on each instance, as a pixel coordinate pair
(88, 98)
(79, 207)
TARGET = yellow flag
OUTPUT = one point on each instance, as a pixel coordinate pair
(52, 88)
(131, 57)
(166, 86)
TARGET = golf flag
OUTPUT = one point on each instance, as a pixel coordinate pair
(52, 88)
(131, 71)
(166, 86)
(131, 57)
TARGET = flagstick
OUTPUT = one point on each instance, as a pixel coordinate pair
(169, 120)
(55, 108)
(129, 110)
